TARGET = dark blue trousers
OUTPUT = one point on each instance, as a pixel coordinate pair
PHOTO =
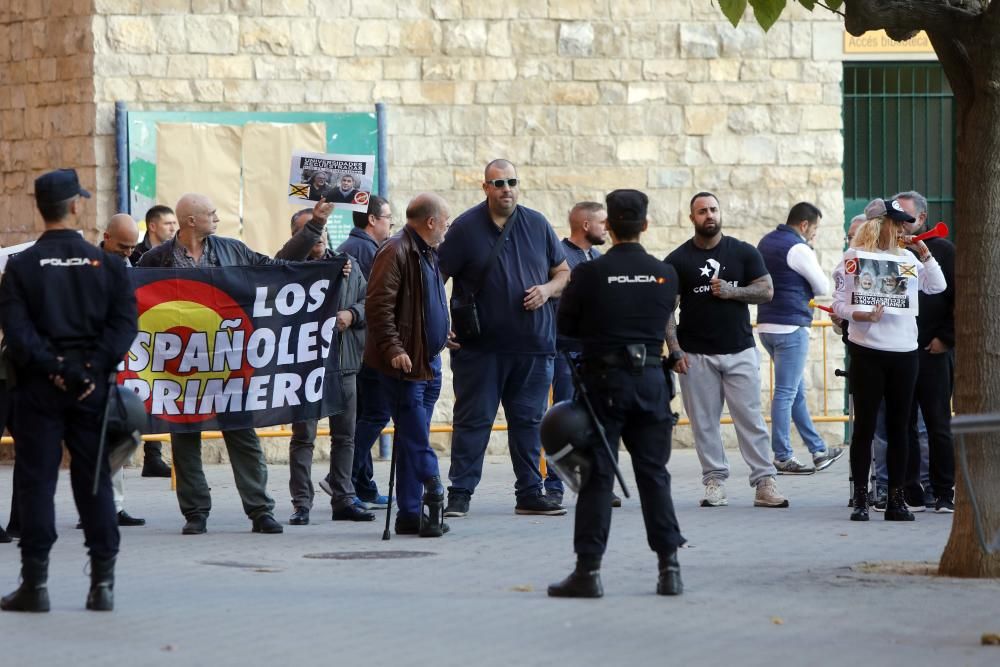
(483, 381)
(373, 415)
(412, 405)
(43, 418)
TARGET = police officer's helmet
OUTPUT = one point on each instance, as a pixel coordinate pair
(126, 422)
(569, 438)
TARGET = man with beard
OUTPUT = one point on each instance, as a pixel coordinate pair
(587, 228)
(715, 353)
(344, 192)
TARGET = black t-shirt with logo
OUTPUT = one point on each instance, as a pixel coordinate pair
(708, 324)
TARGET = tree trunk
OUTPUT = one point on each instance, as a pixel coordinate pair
(974, 69)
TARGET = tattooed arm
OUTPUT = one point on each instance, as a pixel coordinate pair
(760, 290)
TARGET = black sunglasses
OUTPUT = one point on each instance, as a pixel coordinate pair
(500, 182)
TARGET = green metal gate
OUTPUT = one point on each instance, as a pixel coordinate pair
(899, 134)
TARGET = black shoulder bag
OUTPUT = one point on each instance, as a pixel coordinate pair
(465, 317)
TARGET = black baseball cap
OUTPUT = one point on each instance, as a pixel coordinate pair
(626, 206)
(889, 208)
(59, 185)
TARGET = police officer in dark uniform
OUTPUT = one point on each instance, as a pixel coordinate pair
(619, 305)
(68, 314)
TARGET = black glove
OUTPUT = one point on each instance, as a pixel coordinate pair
(77, 377)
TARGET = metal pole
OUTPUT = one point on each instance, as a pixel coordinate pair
(121, 153)
(383, 149)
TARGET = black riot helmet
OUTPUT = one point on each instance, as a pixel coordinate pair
(126, 422)
(570, 439)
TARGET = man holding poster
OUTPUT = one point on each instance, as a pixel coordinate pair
(883, 340)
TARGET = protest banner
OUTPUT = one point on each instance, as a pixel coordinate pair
(343, 180)
(875, 279)
(236, 347)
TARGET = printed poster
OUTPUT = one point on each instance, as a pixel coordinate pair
(875, 279)
(343, 180)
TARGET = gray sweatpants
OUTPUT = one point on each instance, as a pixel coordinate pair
(735, 378)
(300, 454)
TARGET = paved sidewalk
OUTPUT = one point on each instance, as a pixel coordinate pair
(763, 587)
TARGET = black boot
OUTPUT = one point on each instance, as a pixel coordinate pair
(860, 504)
(583, 582)
(152, 462)
(33, 593)
(102, 584)
(895, 507)
(432, 514)
(669, 582)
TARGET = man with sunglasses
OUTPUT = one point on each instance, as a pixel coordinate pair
(510, 361)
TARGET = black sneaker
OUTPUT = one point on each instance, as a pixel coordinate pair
(944, 506)
(930, 500)
(539, 505)
(555, 497)
(881, 497)
(300, 517)
(826, 458)
(914, 498)
(266, 524)
(458, 504)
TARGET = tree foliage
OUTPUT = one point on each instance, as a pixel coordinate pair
(767, 11)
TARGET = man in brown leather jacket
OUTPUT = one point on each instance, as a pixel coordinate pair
(408, 326)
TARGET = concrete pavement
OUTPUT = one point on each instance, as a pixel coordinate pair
(763, 587)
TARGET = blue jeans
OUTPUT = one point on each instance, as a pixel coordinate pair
(789, 352)
(373, 415)
(412, 406)
(880, 443)
(482, 382)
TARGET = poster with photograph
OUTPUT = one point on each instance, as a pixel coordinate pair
(880, 279)
(343, 180)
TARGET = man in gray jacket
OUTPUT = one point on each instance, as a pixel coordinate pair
(351, 326)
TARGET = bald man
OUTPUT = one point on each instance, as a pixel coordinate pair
(121, 236)
(196, 246)
(408, 327)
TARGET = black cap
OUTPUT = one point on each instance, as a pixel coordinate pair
(889, 208)
(57, 186)
(626, 206)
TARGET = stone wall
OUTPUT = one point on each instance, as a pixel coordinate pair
(583, 95)
(47, 109)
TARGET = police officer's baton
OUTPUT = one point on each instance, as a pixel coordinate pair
(581, 391)
(101, 443)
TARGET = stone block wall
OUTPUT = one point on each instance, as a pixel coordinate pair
(47, 107)
(583, 95)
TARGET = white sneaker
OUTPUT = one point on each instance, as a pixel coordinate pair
(767, 494)
(715, 494)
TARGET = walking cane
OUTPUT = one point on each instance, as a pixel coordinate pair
(392, 465)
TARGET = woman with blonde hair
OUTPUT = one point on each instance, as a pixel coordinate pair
(883, 350)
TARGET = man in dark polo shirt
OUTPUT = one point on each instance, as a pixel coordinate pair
(510, 362)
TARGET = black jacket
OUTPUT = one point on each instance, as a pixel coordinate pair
(64, 296)
(937, 311)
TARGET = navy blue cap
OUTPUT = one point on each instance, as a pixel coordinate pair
(57, 186)
(626, 206)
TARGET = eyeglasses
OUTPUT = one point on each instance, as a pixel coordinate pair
(501, 182)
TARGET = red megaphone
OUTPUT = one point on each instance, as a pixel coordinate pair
(940, 230)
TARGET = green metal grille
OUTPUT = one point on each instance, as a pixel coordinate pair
(899, 134)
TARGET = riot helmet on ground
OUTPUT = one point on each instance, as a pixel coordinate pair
(570, 440)
(126, 422)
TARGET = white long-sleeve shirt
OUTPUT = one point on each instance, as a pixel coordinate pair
(801, 259)
(894, 332)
